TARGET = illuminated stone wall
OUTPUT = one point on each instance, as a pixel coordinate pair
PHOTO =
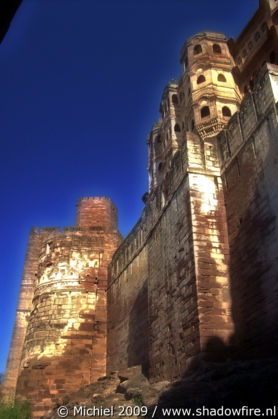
(249, 151)
(168, 293)
(65, 340)
(196, 276)
(256, 45)
(173, 266)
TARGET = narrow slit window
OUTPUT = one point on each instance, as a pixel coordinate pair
(177, 128)
(175, 99)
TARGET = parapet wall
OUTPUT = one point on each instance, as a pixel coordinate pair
(253, 111)
(249, 161)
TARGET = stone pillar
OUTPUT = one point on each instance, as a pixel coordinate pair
(210, 247)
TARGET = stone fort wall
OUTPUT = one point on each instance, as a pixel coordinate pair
(168, 291)
(59, 341)
(197, 274)
(249, 159)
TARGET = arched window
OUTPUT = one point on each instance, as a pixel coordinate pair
(197, 49)
(205, 112)
(177, 128)
(216, 49)
(175, 99)
(192, 125)
(221, 78)
(157, 145)
(201, 79)
(160, 167)
(226, 111)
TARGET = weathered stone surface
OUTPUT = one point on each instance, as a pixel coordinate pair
(65, 341)
(250, 175)
(188, 281)
(196, 278)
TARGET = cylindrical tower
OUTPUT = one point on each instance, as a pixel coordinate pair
(208, 82)
(65, 343)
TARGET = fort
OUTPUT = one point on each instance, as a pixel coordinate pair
(196, 278)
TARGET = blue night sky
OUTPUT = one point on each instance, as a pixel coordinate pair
(81, 82)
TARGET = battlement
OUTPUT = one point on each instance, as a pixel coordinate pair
(254, 108)
(97, 212)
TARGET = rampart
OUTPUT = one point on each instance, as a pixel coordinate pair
(168, 293)
(249, 159)
(181, 283)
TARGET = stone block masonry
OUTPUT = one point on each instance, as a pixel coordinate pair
(60, 343)
(196, 277)
(168, 291)
(249, 152)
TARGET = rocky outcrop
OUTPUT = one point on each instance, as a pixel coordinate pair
(210, 385)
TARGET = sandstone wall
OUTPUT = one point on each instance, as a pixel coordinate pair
(168, 292)
(65, 342)
(249, 153)
(97, 211)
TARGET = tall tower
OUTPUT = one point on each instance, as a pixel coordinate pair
(177, 255)
(163, 140)
(208, 84)
(256, 45)
(65, 329)
(202, 102)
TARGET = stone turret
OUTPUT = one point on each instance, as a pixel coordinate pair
(207, 73)
(59, 341)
